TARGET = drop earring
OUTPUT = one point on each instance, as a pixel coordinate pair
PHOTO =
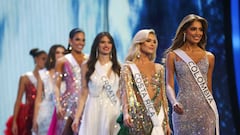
(96, 54)
(184, 37)
(138, 55)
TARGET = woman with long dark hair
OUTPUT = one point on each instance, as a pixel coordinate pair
(44, 103)
(98, 106)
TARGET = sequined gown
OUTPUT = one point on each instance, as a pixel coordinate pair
(142, 122)
(25, 114)
(71, 75)
(69, 99)
(198, 117)
(100, 114)
(47, 105)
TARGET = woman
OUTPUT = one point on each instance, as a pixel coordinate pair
(99, 101)
(145, 107)
(68, 69)
(21, 122)
(188, 59)
(44, 102)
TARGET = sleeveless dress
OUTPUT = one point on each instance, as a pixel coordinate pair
(47, 105)
(100, 113)
(137, 110)
(25, 114)
(69, 99)
(198, 117)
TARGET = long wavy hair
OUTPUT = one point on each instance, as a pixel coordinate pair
(51, 60)
(186, 22)
(93, 55)
(140, 37)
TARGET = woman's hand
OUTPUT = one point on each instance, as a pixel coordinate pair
(35, 126)
(178, 108)
(75, 125)
(127, 119)
(14, 128)
(60, 112)
(168, 130)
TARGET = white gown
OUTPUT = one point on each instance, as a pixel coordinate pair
(100, 114)
(47, 104)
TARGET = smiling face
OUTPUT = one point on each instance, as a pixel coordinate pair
(194, 33)
(78, 42)
(105, 46)
(149, 46)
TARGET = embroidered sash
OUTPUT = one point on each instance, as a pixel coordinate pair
(108, 88)
(102, 71)
(201, 83)
(144, 94)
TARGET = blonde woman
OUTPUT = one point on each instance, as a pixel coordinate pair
(145, 107)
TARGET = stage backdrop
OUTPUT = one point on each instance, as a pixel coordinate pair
(28, 24)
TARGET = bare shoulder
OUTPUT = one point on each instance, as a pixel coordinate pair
(84, 66)
(61, 60)
(210, 56)
(170, 55)
(159, 66)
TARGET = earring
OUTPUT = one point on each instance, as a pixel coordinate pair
(51, 60)
(96, 54)
(138, 55)
(184, 37)
(110, 55)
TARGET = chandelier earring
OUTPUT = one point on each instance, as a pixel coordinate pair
(184, 37)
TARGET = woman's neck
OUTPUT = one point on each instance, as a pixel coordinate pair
(143, 59)
(103, 59)
(190, 47)
(78, 56)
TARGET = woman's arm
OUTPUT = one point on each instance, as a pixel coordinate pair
(170, 70)
(82, 98)
(211, 59)
(124, 86)
(21, 88)
(57, 85)
(37, 102)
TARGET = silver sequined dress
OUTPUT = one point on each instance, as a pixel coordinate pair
(198, 117)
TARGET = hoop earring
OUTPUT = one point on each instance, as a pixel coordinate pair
(184, 37)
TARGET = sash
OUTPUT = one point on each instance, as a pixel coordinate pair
(102, 71)
(201, 83)
(144, 94)
(76, 69)
(108, 88)
(32, 78)
(71, 60)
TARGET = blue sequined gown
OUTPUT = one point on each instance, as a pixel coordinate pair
(198, 117)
